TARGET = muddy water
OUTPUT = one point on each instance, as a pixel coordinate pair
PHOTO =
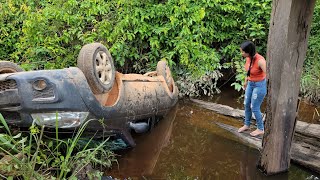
(307, 112)
(188, 145)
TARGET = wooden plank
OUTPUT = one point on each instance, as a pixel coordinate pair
(219, 108)
(307, 129)
(245, 137)
(302, 128)
(302, 153)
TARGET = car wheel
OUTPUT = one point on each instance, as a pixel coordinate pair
(97, 65)
(164, 70)
(9, 67)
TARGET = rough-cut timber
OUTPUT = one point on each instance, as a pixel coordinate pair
(310, 132)
(287, 45)
(302, 153)
(305, 149)
(221, 109)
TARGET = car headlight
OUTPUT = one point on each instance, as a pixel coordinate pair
(64, 119)
(39, 84)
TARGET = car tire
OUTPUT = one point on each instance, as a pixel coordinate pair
(96, 63)
(9, 67)
(164, 70)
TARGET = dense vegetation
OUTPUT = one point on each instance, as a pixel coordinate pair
(197, 38)
(200, 40)
(310, 81)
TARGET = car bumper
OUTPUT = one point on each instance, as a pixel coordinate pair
(21, 102)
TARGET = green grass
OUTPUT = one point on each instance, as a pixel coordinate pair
(310, 82)
(39, 157)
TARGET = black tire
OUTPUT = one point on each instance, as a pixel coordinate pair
(9, 67)
(164, 70)
(97, 65)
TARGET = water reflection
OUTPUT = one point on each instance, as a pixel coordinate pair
(188, 145)
(141, 160)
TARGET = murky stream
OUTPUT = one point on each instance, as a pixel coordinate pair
(307, 112)
(187, 144)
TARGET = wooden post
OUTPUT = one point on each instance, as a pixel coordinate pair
(287, 44)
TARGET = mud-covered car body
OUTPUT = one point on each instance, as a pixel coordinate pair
(64, 98)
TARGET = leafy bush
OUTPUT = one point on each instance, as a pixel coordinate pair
(199, 36)
(53, 35)
(12, 17)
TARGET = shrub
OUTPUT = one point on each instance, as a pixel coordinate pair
(198, 36)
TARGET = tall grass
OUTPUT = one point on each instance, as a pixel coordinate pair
(310, 86)
(310, 83)
(39, 157)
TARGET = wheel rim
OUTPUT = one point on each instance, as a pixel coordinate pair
(103, 67)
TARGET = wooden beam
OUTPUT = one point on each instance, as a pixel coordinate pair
(305, 148)
(304, 154)
(287, 45)
(310, 132)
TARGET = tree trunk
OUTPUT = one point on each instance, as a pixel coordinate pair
(287, 45)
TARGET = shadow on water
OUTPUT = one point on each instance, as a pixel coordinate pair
(188, 145)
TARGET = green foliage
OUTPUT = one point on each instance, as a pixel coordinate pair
(53, 35)
(254, 26)
(310, 85)
(12, 15)
(39, 157)
(240, 77)
(199, 36)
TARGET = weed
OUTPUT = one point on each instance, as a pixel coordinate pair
(39, 157)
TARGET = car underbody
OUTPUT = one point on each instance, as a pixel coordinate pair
(113, 103)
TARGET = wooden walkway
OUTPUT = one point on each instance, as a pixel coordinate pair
(305, 149)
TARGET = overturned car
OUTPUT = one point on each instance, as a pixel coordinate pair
(115, 103)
